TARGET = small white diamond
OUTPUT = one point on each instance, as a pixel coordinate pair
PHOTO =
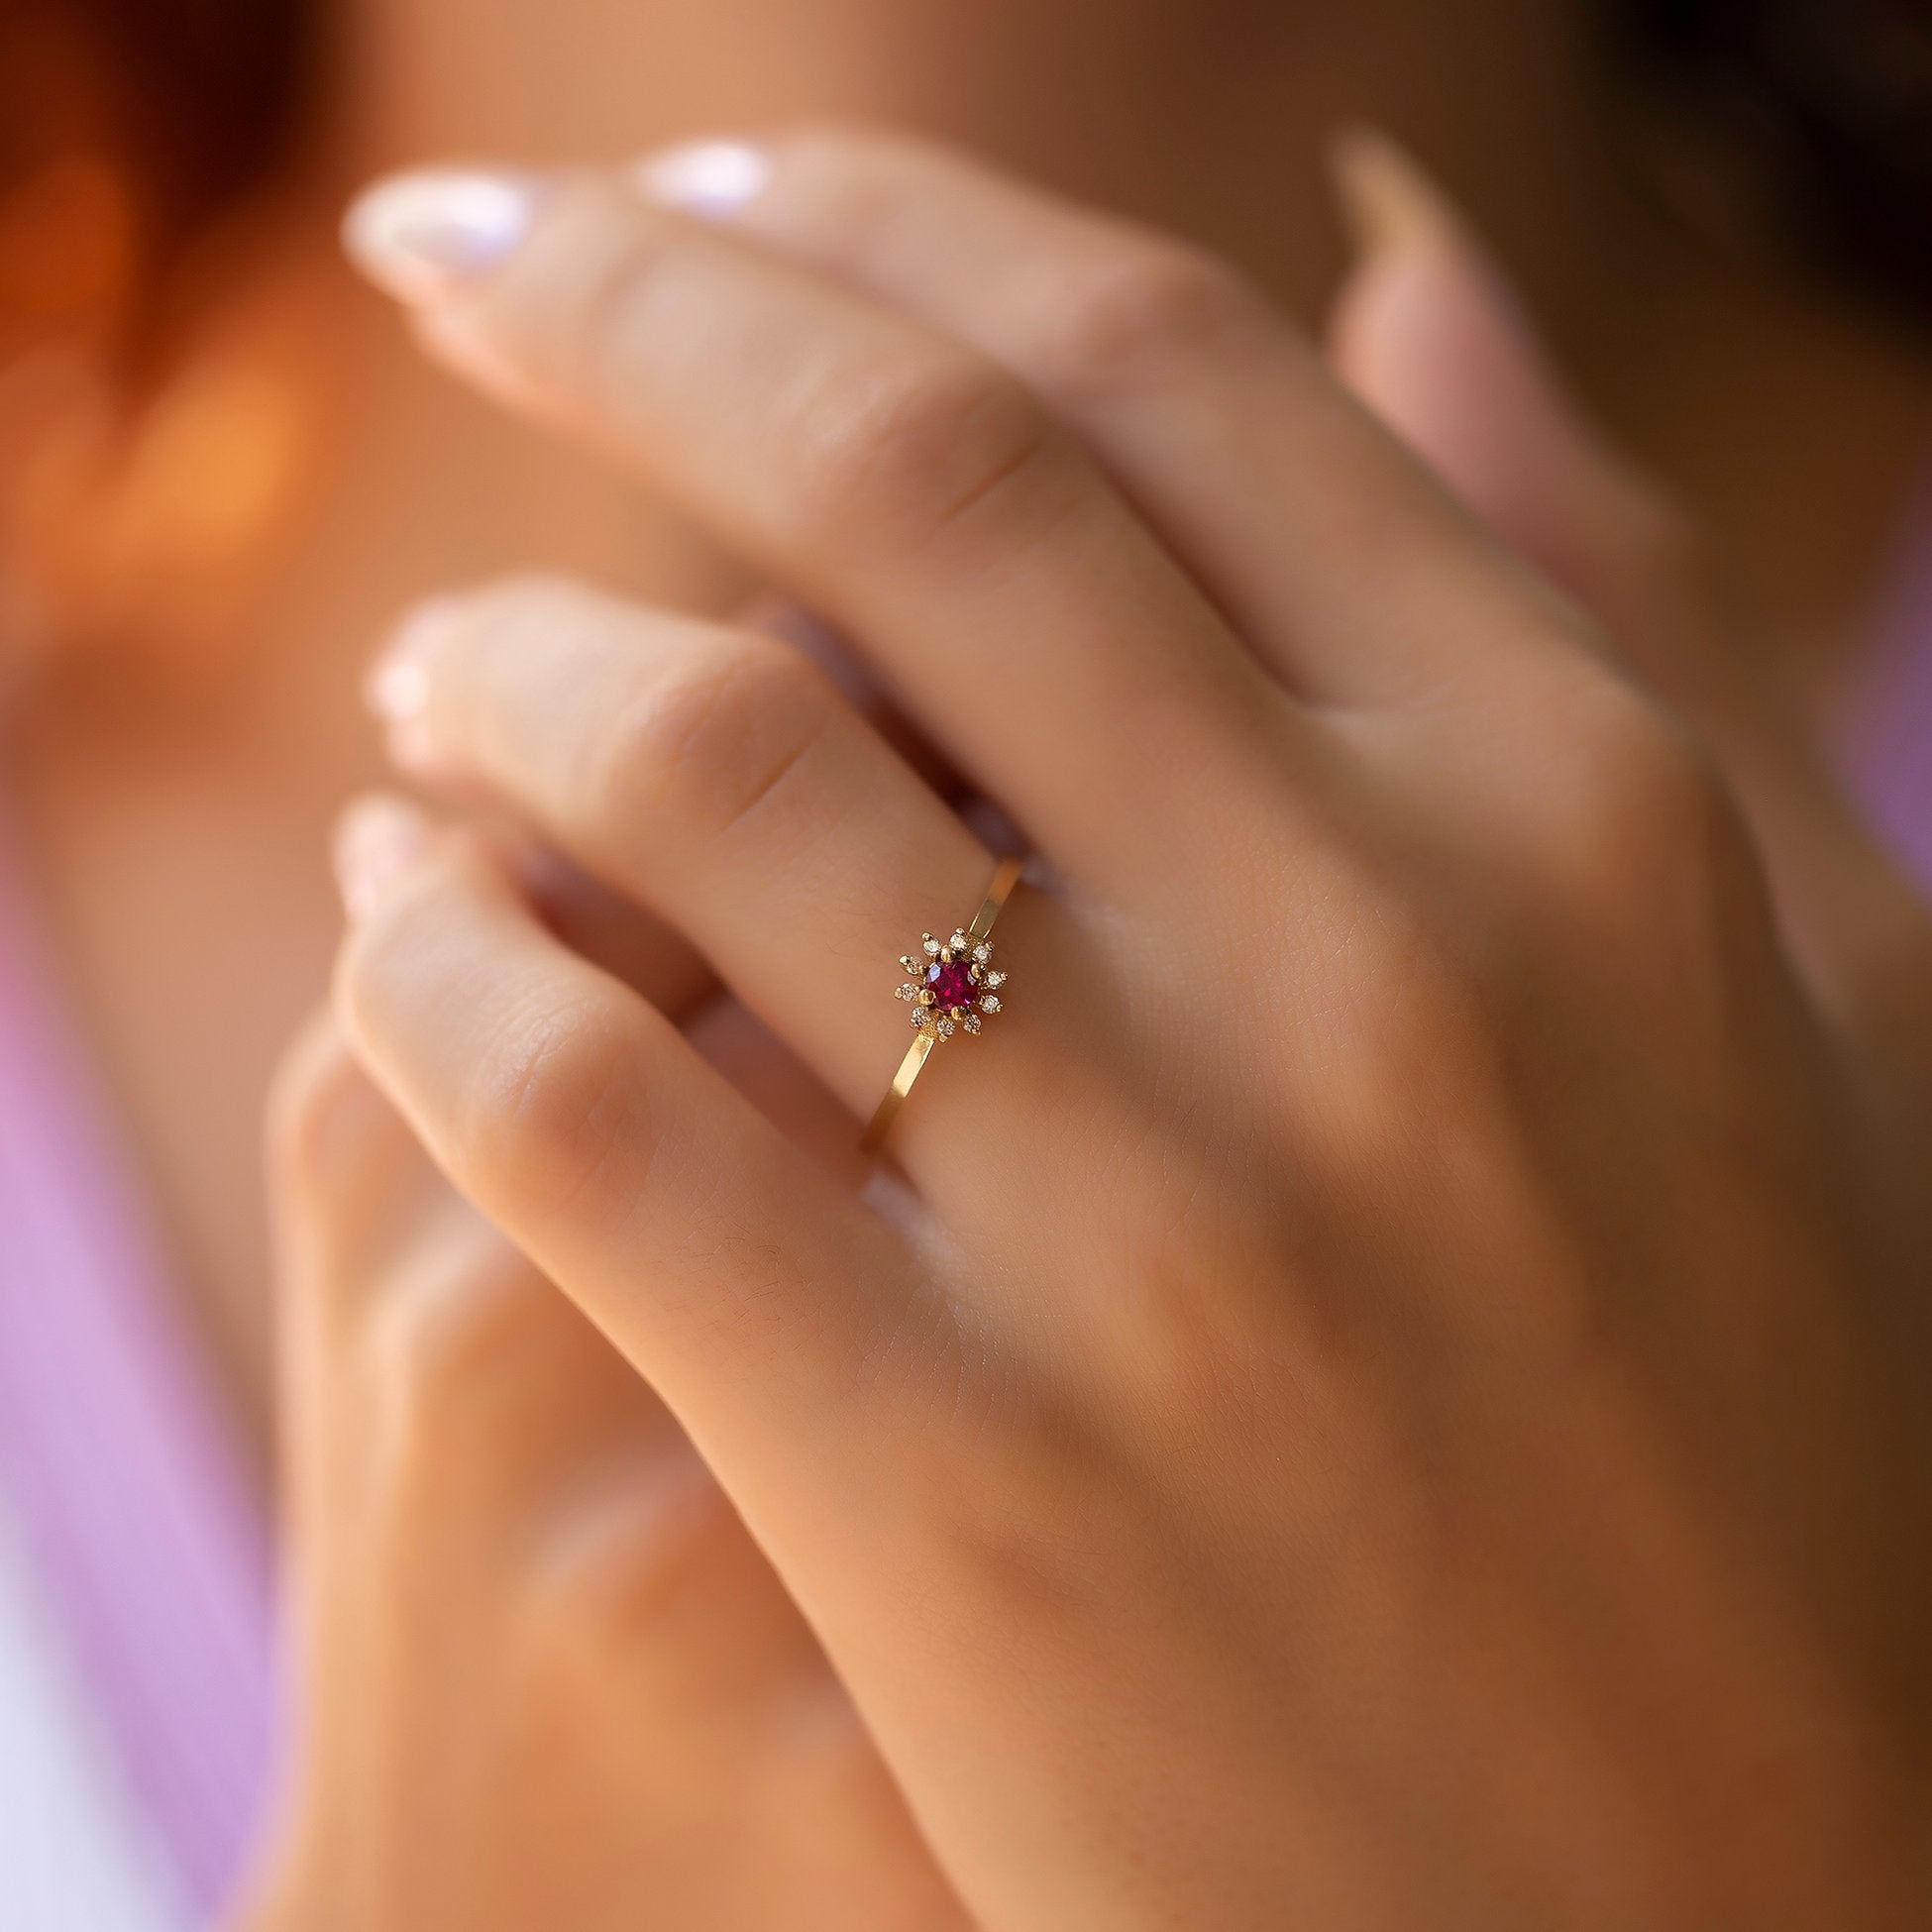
(933, 946)
(981, 954)
(996, 979)
(970, 1021)
(906, 992)
(921, 1017)
(991, 1004)
(958, 942)
(947, 1030)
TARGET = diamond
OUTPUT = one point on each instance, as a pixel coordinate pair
(946, 1029)
(959, 941)
(933, 945)
(970, 1021)
(950, 982)
(991, 1004)
(996, 979)
(922, 1016)
(981, 954)
(910, 991)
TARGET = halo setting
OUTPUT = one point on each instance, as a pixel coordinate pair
(952, 987)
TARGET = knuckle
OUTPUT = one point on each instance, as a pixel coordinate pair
(1149, 306)
(703, 750)
(445, 1342)
(620, 1565)
(1644, 807)
(549, 1105)
(912, 452)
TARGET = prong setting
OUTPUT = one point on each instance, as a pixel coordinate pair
(950, 988)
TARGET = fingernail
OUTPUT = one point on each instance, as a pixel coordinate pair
(712, 179)
(379, 841)
(422, 236)
(1388, 199)
(397, 684)
(1398, 212)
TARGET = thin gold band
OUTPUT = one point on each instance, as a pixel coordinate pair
(997, 895)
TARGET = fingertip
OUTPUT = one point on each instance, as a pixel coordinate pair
(709, 179)
(1430, 332)
(379, 840)
(1388, 199)
(421, 236)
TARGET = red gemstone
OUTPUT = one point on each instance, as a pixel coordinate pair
(950, 982)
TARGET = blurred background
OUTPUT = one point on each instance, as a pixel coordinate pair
(223, 472)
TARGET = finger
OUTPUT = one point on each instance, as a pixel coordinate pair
(416, 1339)
(919, 499)
(748, 1288)
(349, 1184)
(1219, 421)
(611, 930)
(1431, 335)
(716, 774)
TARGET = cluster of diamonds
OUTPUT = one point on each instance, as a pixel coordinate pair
(952, 985)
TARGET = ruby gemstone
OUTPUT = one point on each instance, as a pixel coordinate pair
(950, 981)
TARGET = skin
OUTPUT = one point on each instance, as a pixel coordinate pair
(1383, 1390)
(549, 1679)
(173, 764)
(197, 773)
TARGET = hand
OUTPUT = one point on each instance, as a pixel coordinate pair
(545, 1679)
(1387, 1393)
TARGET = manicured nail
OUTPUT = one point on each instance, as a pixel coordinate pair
(712, 179)
(396, 687)
(1388, 199)
(422, 236)
(379, 841)
(1396, 211)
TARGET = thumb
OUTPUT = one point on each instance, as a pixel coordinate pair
(1428, 332)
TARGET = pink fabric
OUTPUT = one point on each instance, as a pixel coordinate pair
(1886, 745)
(134, 1506)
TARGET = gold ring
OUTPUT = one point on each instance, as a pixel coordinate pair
(948, 989)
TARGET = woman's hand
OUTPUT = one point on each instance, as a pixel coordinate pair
(1389, 1393)
(545, 1679)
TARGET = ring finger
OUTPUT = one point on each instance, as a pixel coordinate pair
(719, 777)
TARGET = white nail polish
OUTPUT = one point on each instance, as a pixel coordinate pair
(712, 179)
(422, 236)
(396, 687)
(377, 842)
(398, 690)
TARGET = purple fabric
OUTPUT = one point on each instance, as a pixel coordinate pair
(1885, 742)
(155, 1552)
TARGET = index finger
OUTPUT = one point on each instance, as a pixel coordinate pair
(903, 485)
